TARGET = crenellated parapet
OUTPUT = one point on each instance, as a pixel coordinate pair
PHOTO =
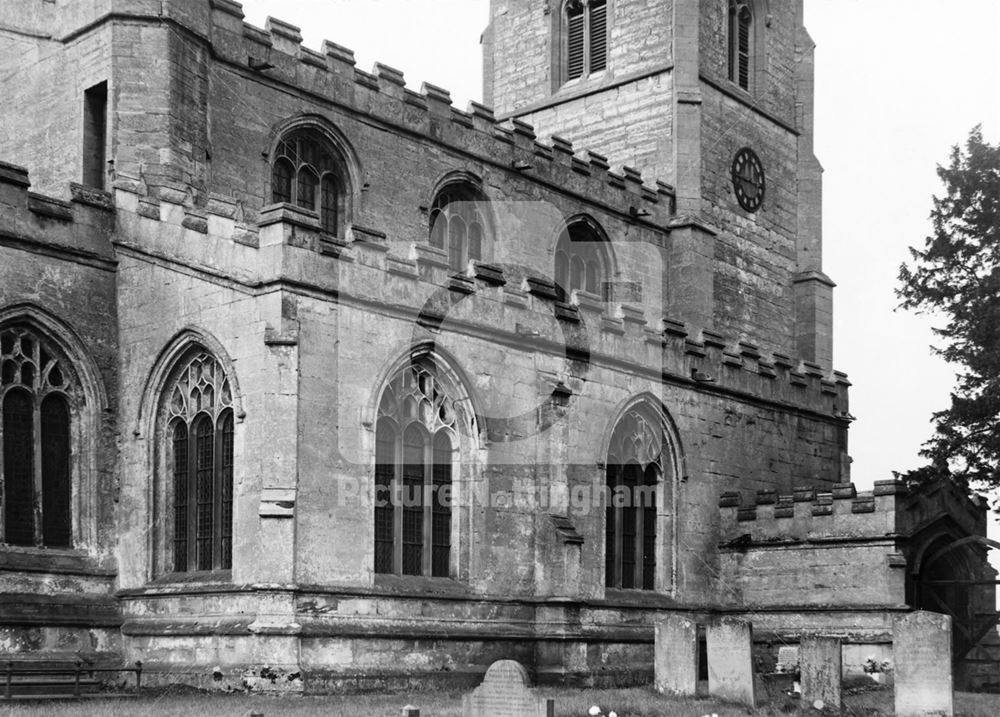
(80, 227)
(839, 511)
(810, 512)
(512, 304)
(276, 54)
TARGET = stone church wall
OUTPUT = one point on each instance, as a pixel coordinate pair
(57, 277)
(309, 327)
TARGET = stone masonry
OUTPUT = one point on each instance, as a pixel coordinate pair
(714, 321)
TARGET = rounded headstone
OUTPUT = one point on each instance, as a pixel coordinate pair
(507, 671)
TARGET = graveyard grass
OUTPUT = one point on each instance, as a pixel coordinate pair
(637, 702)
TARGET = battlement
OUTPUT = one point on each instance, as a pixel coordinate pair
(79, 228)
(277, 54)
(838, 511)
(367, 266)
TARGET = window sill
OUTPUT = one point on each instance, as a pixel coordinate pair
(64, 561)
(419, 585)
(637, 598)
(583, 83)
(207, 577)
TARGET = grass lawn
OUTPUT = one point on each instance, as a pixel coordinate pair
(637, 702)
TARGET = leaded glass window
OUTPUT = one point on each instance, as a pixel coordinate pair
(308, 172)
(458, 224)
(581, 261)
(415, 442)
(199, 414)
(37, 389)
(633, 471)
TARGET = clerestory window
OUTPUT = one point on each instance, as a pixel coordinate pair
(740, 38)
(199, 437)
(458, 224)
(37, 390)
(585, 41)
(308, 172)
(581, 261)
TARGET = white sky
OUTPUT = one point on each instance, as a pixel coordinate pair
(898, 83)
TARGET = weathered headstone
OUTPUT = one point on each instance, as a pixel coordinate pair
(675, 661)
(921, 654)
(822, 671)
(788, 659)
(730, 660)
(505, 693)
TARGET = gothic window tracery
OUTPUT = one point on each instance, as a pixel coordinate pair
(38, 388)
(634, 470)
(458, 224)
(581, 261)
(199, 436)
(416, 436)
(308, 172)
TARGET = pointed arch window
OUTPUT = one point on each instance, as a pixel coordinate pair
(459, 224)
(585, 37)
(416, 439)
(199, 437)
(38, 389)
(740, 37)
(634, 470)
(581, 261)
(309, 172)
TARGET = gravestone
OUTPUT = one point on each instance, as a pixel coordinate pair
(730, 660)
(788, 659)
(921, 655)
(675, 661)
(821, 666)
(505, 693)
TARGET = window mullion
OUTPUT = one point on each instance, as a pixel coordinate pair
(428, 507)
(619, 546)
(640, 537)
(397, 506)
(217, 497)
(192, 498)
(586, 39)
(36, 463)
(3, 482)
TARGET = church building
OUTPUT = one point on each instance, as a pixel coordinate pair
(315, 382)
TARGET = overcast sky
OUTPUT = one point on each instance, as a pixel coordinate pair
(898, 83)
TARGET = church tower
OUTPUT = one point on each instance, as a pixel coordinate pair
(712, 96)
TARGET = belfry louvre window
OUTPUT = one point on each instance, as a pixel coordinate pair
(415, 439)
(37, 390)
(633, 472)
(309, 173)
(586, 23)
(740, 42)
(458, 224)
(200, 446)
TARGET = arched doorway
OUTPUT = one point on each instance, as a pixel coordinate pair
(953, 576)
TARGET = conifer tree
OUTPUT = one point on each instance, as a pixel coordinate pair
(956, 274)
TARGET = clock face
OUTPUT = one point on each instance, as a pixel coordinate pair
(748, 179)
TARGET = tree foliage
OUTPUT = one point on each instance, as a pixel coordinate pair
(957, 274)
